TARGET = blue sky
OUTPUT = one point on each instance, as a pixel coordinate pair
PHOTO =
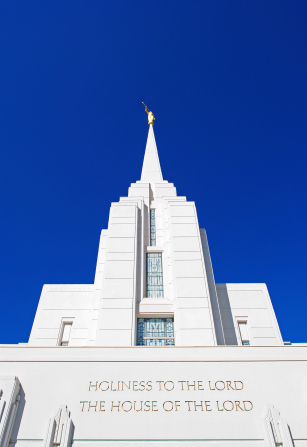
(226, 81)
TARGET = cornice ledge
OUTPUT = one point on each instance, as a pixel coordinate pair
(72, 288)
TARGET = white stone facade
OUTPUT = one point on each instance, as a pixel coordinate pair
(84, 380)
(105, 313)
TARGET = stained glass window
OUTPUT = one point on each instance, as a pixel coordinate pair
(154, 274)
(153, 228)
(155, 332)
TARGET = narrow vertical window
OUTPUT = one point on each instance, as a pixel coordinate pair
(155, 332)
(153, 228)
(154, 275)
(244, 333)
(66, 334)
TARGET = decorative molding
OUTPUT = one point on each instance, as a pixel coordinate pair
(69, 288)
(2, 405)
(60, 429)
(9, 401)
(276, 429)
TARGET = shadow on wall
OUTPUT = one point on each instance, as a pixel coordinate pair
(19, 414)
(227, 319)
(291, 435)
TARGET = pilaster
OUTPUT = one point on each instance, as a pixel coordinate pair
(117, 304)
(193, 312)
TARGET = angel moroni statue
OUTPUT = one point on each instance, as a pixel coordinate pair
(151, 116)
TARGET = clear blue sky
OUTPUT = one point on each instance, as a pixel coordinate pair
(227, 83)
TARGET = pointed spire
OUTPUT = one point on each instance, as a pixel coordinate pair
(151, 171)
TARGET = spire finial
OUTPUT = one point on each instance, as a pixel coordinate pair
(151, 171)
(151, 116)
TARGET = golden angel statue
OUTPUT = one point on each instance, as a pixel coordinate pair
(151, 116)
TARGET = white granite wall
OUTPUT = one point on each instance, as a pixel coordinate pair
(251, 303)
(212, 396)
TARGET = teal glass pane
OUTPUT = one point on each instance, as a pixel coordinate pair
(169, 327)
(154, 275)
(155, 327)
(155, 332)
(153, 228)
(155, 342)
(140, 332)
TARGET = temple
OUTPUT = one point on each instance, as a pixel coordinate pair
(154, 282)
(154, 351)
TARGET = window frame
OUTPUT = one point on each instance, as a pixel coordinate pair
(243, 320)
(65, 320)
(165, 337)
(147, 285)
(152, 211)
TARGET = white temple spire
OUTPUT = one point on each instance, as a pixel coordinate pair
(151, 171)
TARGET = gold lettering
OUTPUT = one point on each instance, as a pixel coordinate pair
(237, 403)
(127, 386)
(192, 385)
(246, 409)
(159, 382)
(154, 405)
(169, 381)
(149, 384)
(217, 403)
(92, 406)
(177, 404)
(207, 403)
(115, 406)
(220, 389)
(93, 386)
(238, 381)
(127, 402)
(107, 386)
(188, 402)
(142, 383)
(232, 405)
(141, 409)
(102, 402)
(182, 382)
(212, 389)
(147, 405)
(83, 402)
(200, 384)
(112, 387)
(168, 402)
(199, 405)
(135, 384)
(229, 384)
